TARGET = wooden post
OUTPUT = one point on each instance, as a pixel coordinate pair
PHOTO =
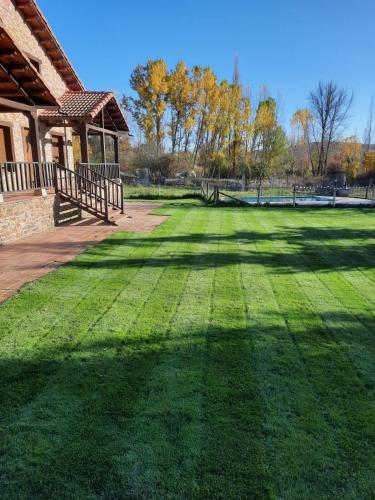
(216, 194)
(117, 148)
(334, 194)
(258, 196)
(84, 140)
(106, 200)
(122, 197)
(40, 183)
(55, 179)
(104, 156)
(66, 152)
(294, 195)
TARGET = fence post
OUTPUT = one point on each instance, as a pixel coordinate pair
(106, 200)
(334, 194)
(373, 196)
(258, 196)
(122, 197)
(216, 195)
(55, 177)
(294, 195)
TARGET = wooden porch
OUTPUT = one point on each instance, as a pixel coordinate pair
(86, 188)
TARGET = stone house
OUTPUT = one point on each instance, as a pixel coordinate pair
(44, 109)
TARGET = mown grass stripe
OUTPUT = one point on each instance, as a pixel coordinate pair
(340, 390)
(52, 398)
(233, 459)
(293, 424)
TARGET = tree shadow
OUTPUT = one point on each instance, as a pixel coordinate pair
(283, 250)
(73, 416)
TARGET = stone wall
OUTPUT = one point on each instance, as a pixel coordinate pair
(15, 24)
(18, 121)
(21, 33)
(26, 216)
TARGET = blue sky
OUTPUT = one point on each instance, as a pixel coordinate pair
(289, 45)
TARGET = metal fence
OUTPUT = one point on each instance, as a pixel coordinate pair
(297, 195)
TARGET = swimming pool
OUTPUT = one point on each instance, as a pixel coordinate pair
(288, 200)
(307, 200)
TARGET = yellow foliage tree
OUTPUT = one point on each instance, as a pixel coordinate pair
(181, 99)
(151, 84)
(369, 162)
(350, 154)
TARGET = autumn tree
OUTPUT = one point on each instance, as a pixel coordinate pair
(181, 98)
(150, 82)
(350, 156)
(207, 92)
(300, 140)
(368, 163)
(269, 141)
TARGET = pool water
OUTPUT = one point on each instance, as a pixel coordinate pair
(288, 199)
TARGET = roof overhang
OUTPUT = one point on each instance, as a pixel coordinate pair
(19, 80)
(43, 32)
(99, 109)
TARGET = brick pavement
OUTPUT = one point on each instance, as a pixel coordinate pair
(29, 258)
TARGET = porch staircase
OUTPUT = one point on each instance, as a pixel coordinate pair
(66, 212)
(87, 189)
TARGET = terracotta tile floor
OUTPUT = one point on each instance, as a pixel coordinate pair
(29, 258)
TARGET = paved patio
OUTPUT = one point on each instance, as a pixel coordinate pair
(29, 258)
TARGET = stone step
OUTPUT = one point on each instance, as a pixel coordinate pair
(66, 212)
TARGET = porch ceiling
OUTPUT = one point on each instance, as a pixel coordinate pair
(86, 106)
(19, 81)
(43, 32)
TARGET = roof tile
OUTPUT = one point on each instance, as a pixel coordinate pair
(80, 103)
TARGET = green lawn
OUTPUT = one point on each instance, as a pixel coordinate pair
(160, 192)
(229, 354)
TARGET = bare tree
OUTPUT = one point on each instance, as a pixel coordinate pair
(330, 107)
(369, 130)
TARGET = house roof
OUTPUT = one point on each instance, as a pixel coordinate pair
(19, 81)
(43, 32)
(84, 105)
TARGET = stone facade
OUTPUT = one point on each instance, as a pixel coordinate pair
(20, 32)
(26, 216)
(18, 121)
(26, 41)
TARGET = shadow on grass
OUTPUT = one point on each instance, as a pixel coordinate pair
(302, 250)
(96, 420)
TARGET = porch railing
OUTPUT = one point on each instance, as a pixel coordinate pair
(23, 176)
(84, 186)
(109, 170)
(115, 191)
(84, 192)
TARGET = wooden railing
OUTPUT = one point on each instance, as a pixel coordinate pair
(115, 190)
(86, 193)
(23, 176)
(109, 170)
(84, 186)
